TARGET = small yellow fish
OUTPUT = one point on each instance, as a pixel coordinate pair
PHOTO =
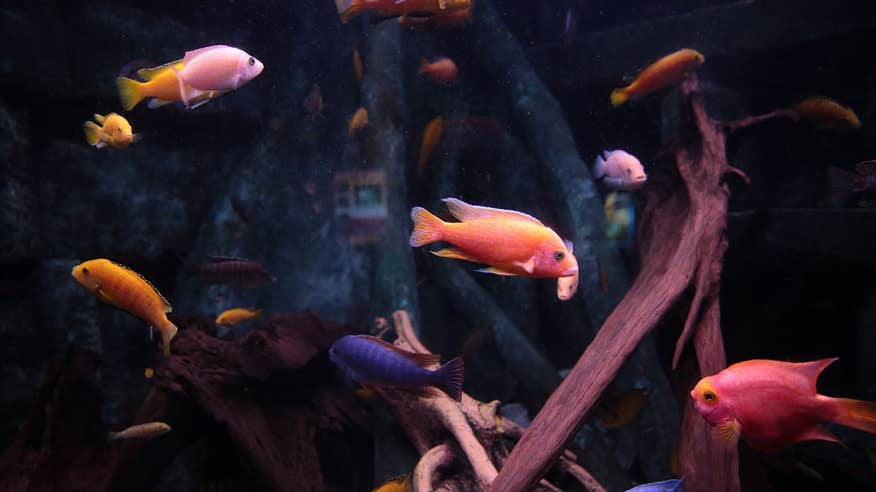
(150, 429)
(358, 121)
(663, 73)
(622, 409)
(827, 114)
(400, 484)
(431, 136)
(148, 372)
(115, 132)
(237, 315)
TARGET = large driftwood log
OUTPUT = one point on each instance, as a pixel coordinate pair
(682, 243)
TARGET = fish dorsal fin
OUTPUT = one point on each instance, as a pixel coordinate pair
(569, 246)
(464, 211)
(191, 55)
(167, 307)
(99, 118)
(221, 259)
(148, 74)
(866, 168)
(422, 360)
(813, 369)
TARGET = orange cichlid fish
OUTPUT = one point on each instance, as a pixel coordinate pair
(400, 484)
(771, 403)
(150, 429)
(510, 242)
(148, 373)
(457, 18)
(621, 410)
(358, 121)
(566, 287)
(431, 136)
(385, 9)
(115, 132)
(443, 70)
(237, 315)
(827, 114)
(665, 72)
(126, 289)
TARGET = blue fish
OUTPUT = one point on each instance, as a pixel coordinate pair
(672, 485)
(372, 361)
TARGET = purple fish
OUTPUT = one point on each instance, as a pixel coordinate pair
(235, 272)
(673, 485)
(372, 361)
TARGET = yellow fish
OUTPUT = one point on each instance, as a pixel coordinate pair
(150, 429)
(663, 73)
(237, 315)
(358, 121)
(126, 289)
(431, 136)
(114, 131)
(827, 114)
(400, 484)
(623, 409)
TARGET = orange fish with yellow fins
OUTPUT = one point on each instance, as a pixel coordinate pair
(665, 72)
(114, 131)
(385, 9)
(236, 316)
(126, 289)
(827, 114)
(510, 242)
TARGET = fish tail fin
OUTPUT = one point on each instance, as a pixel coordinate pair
(857, 414)
(168, 331)
(92, 133)
(347, 9)
(427, 227)
(450, 378)
(129, 92)
(424, 66)
(619, 96)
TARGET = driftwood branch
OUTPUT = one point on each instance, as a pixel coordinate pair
(684, 228)
(438, 457)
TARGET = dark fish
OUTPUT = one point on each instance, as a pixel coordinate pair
(240, 208)
(372, 361)
(672, 485)
(234, 272)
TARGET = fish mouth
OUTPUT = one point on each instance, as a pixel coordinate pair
(569, 272)
(640, 178)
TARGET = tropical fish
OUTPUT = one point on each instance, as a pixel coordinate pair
(620, 218)
(150, 429)
(126, 289)
(201, 75)
(313, 103)
(385, 9)
(148, 373)
(827, 114)
(237, 315)
(621, 410)
(619, 170)
(160, 83)
(235, 272)
(671, 485)
(357, 65)
(443, 70)
(567, 286)
(115, 131)
(431, 136)
(665, 72)
(771, 403)
(417, 22)
(400, 484)
(511, 242)
(374, 362)
(358, 121)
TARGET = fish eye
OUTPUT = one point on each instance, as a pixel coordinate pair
(251, 61)
(629, 171)
(559, 255)
(84, 270)
(709, 396)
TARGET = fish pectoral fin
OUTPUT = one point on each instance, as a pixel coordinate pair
(730, 431)
(157, 103)
(528, 265)
(497, 271)
(453, 253)
(201, 101)
(103, 296)
(100, 144)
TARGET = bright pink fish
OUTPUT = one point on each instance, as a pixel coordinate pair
(215, 69)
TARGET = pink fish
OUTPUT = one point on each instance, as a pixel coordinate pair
(215, 69)
(620, 170)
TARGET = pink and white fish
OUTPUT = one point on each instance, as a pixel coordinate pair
(215, 69)
(620, 170)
